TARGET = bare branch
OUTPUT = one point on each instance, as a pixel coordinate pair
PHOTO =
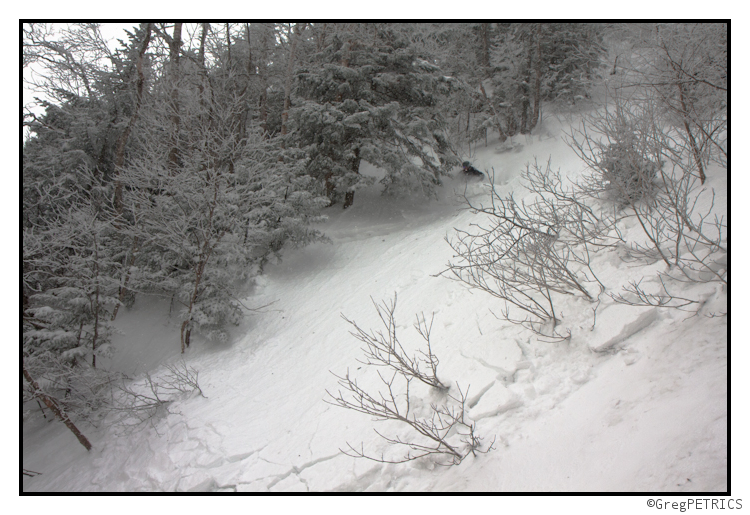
(385, 349)
(437, 431)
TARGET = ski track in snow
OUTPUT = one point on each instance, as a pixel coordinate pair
(628, 403)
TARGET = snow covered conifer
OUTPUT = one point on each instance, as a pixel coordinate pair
(210, 219)
(368, 95)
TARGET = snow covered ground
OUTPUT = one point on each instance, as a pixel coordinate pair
(636, 401)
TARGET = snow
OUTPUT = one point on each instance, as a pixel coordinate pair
(635, 401)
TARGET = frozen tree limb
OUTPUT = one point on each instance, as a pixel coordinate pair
(56, 409)
(639, 297)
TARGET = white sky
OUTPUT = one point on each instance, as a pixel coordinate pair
(111, 31)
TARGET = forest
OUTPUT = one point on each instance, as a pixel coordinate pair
(183, 160)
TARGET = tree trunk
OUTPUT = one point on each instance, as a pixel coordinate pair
(245, 95)
(524, 115)
(320, 36)
(495, 117)
(123, 139)
(538, 78)
(229, 47)
(184, 329)
(120, 151)
(96, 305)
(59, 412)
(691, 138)
(294, 34)
(526, 108)
(679, 76)
(354, 163)
(174, 97)
(202, 48)
(205, 255)
(348, 198)
(264, 79)
(202, 64)
(354, 167)
(126, 278)
(485, 33)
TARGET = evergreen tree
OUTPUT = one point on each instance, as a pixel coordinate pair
(532, 63)
(213, 201)
(372, 97)
(506, 70)
(571, 60)
(131, 188)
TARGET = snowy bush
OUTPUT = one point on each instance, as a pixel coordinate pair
(626, 175)
(639, 163)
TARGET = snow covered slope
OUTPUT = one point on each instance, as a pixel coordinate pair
(636, 401)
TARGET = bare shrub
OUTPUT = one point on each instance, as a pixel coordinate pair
(636, 162)
(444, 433)
(563, 205)
(137, 403)
(691, 243)
(528, 251)
(180, 378)
(442, 430)
(385, 349)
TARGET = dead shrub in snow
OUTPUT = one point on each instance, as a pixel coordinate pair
(442, 430)
(622, 146)
(445, 432)
(525, 252)
(137, 403)
(385, 349)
